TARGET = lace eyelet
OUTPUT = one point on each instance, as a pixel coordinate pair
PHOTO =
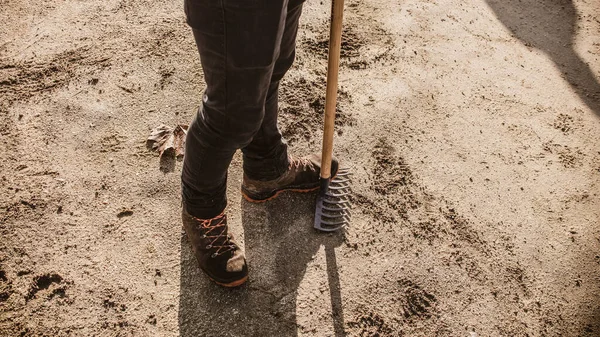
(209, 247)
(214, 255)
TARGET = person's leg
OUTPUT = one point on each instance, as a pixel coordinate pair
(266, 157)
(268, 169)
(238, 43)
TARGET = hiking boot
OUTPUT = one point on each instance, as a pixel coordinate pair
(216, 251)
(303, 175)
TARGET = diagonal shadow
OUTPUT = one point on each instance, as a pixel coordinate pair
(550, 26)
(279, 242)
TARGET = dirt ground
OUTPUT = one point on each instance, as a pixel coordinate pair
(472, 129)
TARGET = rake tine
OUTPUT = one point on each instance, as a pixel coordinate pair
(343, 173)
(336, 209)
(335, 221)
(343, 222)
(337, 195)
(337, 202)
(339, 187)
(342, 189)
(337, 214)
(330, 229)
(333, 204)
(339, 208)
(338, 180)
(341, 181)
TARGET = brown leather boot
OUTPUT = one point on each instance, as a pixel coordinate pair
(216, 251)
(302, 176)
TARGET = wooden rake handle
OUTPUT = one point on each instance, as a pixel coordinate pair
(335, 42)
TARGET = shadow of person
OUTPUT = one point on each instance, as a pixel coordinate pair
(279, 243)
(549, 26)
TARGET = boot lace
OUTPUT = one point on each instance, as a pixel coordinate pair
(218, 239)
(304, 163)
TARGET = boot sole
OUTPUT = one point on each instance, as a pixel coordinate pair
(277, 193)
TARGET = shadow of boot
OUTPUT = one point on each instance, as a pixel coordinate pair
(206, 309)
(279, 243)
(550, 27)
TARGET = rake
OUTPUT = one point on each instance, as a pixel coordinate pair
(333, 203)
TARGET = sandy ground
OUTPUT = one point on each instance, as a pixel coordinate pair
(472, 129)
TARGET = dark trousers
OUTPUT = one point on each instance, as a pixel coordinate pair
(246, 47)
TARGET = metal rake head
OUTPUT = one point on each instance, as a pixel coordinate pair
(333, 203)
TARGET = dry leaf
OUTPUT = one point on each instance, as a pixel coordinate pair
(169, 143)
